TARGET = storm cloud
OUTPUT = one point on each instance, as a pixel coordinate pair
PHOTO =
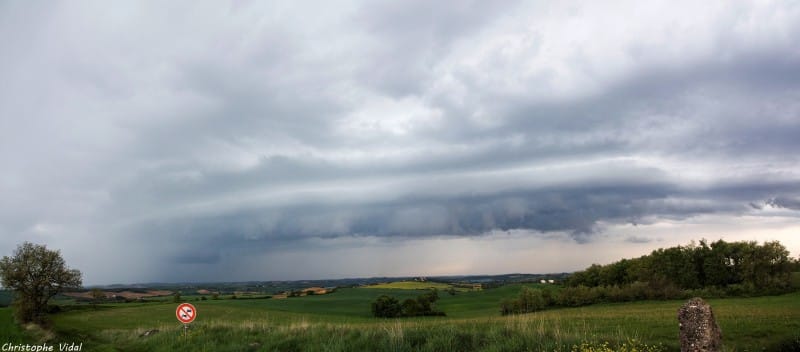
(202, 135)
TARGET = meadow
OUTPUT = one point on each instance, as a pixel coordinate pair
(411, 285)
(342, 321)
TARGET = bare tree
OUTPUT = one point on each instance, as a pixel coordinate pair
(97, 296)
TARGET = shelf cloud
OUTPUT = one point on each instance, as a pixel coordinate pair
(202, 136)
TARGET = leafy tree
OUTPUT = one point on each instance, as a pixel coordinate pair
(509, 306)
(423, 305)
(386, 307)
(529, 300)
(176, 297)
(36, 274)
(411, 307)
(547, 297)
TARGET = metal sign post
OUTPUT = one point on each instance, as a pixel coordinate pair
(186, 313)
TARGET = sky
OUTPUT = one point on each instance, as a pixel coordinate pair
(212, 141)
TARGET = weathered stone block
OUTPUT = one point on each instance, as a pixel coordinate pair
(699, 329)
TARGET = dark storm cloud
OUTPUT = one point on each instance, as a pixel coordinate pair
(579, 210)
(785, 202)
(634, 239)
(258, 128)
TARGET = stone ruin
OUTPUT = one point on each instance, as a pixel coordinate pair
(699, 329)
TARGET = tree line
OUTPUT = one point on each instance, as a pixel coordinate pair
(718, 264)
(718, 269)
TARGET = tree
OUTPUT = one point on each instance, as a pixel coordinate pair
(176, 298)
(97, 296)
(386, 307)
(531, 300)
(36, 274)
(411, 307)
(509, 306)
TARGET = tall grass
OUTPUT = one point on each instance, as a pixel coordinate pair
(512, 334)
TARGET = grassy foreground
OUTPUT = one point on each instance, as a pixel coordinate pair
(9, 331)
(342, 322)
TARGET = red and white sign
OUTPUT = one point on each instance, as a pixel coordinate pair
(186, 313)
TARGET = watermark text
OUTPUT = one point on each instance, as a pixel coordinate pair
(43, 347)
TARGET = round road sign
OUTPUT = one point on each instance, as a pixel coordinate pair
(186, 313)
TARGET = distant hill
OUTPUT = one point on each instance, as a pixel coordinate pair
(273, 287)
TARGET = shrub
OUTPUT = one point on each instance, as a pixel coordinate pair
(386, 307)
(411, 307)
(529, 300)
(389, 307)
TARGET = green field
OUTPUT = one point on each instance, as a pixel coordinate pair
(342, 322)
(411, 285)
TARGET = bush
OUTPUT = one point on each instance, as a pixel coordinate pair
(386, 307)
(411, 307)
(509, 306)
(389, 307)
(529, 300)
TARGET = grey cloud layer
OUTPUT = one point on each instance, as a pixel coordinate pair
(260, 126)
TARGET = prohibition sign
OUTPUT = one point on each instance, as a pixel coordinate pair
(186, 313)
